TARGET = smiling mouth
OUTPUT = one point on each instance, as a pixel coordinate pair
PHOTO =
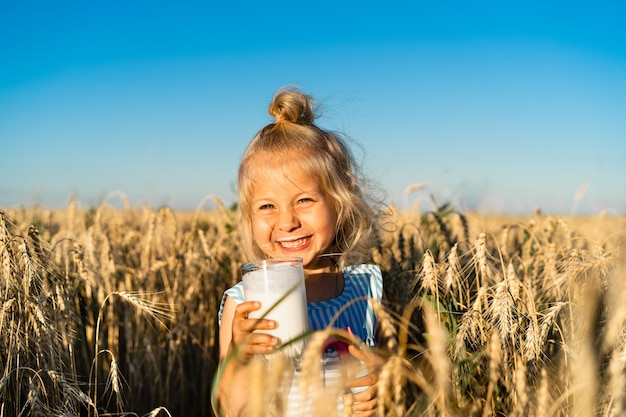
(294, 243)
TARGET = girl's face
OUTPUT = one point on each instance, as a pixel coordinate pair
(292, 216)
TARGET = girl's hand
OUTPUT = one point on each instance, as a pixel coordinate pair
(243, 335)
(365, 403)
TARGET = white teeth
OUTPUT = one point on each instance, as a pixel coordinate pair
(293, 243)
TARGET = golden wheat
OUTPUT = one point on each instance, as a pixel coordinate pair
(512, 315)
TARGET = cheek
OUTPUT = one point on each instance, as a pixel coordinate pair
(255, 230)
(331, 222)
(261, 230)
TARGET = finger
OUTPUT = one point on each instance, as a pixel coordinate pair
(364, 408)
(244, 332)
(247, 324)
(367, 380)
(263, 339)
(365, 354)
(250, 325)
(242, 310)
(257, 343)
(261, 343)
(372, 360)
(366, 395)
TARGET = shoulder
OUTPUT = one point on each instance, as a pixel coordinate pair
(363, 271)
(366, 276)
(234, 294)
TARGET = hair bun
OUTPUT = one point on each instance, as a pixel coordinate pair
(292, 106)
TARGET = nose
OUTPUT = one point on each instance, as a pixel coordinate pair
(288, 220)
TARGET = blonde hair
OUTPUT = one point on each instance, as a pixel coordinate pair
(323, 155)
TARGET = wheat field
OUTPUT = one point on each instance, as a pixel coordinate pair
(113, 311)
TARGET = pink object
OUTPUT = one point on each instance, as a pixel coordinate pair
(340, 346)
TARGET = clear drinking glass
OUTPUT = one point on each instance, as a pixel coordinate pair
(279, 285)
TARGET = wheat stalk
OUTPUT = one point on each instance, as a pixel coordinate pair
(430, 278)
(155, 412)
(502, 310)
(386, 326)
(521, 389)
(494, 354)
(156, 311)
(438, 358)
(390, 382)
(311, 383)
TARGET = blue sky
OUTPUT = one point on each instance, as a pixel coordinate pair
(498, 107)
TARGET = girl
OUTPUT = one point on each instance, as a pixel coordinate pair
(300, 196)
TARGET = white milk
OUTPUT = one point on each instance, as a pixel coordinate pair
(269, 281)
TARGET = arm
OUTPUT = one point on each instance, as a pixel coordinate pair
(237, 344)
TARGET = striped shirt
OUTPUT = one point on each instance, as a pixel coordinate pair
(352, 309)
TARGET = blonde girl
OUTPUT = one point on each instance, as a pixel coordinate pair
(300, 195)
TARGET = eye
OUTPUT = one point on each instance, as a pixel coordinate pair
(305, 200)
(267, 206)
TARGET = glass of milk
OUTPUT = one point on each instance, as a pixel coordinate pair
(278, 284)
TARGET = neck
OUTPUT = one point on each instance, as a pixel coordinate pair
(320, 266)
(324, 286)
